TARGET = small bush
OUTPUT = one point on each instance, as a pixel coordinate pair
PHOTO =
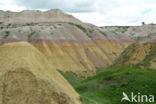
(81, 88)
(1, 22)
(31, 34)
(30, 24)
(103, 33)
(7, 33)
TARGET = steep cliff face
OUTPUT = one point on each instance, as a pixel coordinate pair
(27, 77)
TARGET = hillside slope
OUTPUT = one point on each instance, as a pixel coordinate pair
(26, 77)
(36, 16)
(141, 54)
(68, 43)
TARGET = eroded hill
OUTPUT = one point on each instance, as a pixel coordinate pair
(68, 43)
(27, 77)
(141, 54)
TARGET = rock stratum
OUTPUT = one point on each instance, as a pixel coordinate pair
(68, 43)
(140, 54)
(27, 77)
(36, 16)
(35, 44)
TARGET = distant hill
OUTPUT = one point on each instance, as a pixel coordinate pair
(138, 33)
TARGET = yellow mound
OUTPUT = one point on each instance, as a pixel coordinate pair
(26, 77)
(84, 58)
(142, 54)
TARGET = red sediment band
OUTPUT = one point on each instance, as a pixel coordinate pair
(74, 41)
(149, 40)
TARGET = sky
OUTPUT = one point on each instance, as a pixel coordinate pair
(98, 12)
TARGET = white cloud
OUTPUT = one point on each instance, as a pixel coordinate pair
(98, 12)
(123, 13)
(11, 8)
(8, 5)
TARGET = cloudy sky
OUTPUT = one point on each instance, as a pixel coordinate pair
(98, 12)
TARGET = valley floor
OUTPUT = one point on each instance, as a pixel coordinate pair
(107, 86)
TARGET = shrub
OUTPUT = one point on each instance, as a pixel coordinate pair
(103, 33)
(7, 33)
(31, 34)
(1, 22)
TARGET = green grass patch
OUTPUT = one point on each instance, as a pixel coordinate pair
(78, 26)
(103, 33)
(106, 87)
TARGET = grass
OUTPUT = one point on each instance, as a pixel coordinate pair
(31, 34)
(150, 56)
(103, 33)
(106, 87)
(81, 28)
(126, 55)
(123, 27)
(78, 26)
(7, 33)
(30, 24)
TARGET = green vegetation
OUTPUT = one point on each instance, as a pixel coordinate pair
(106, 87)
(31, 34)
(60, 24)
(151, 56)
(91, 30)
(1, 22)
(152, 34)
(31, 24)
(9, 25)
(78, 26)
(7, 33)
(89, 35)
(82, 28)
(125, 55)
(123, 27)
(103, 33)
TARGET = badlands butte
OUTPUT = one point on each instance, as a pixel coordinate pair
(36, 44)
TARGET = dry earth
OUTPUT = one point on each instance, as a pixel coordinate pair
(26, 77)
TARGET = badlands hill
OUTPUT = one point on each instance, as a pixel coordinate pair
(55, 41)
(27, 77)
(141, 54)
(68, 43)
(145, 32)
(36, 16)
